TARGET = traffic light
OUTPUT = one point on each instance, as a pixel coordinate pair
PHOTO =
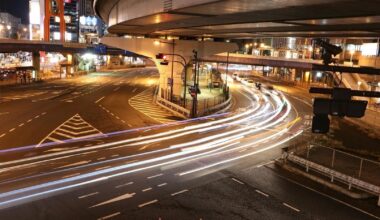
(321, 124)
(340, 105)
(161, 56)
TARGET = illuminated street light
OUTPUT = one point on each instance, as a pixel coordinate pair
(9, 27)
(156, 42)
(1, 27)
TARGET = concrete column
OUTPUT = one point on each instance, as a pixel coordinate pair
(151, 47)
(36, 64)
(293, 75)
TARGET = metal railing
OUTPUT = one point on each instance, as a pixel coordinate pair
(335, 175)
(174, 108)
(355, 171)
(217, 104)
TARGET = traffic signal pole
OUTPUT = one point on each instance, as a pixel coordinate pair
(195, 97)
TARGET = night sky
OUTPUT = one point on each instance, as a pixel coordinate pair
(18, 8)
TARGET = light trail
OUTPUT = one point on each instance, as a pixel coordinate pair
(220, 145)
(127, 140)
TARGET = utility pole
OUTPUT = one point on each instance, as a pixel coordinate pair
(172, 75)
(194, 107)
(185, 86)
(228, 57)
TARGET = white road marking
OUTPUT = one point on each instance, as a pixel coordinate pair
(43, 113)
(4, 113)
(162, 184)
(20, 125)
(2, 135)
(115, 155)
(99, 99)
(69, 130)
(125, 184)
(109, 216)
(74, 164)
(88, 195)
(29, 120)
(154, 176)
(37, 116)
(102, 168)
(179, 192)
(147, 189)
(12, 129)
(262, 193)
(238, 181)
(260, 165)
(116, 89)
(332, 198)
(291, 207)
(69, 100)
(101, 158)
(70, 175)
(116, 199)
(134, 90)
(148, 203)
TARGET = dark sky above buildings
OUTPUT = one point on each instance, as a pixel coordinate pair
(18, 8)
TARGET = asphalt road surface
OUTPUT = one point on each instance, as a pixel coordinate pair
(86, 148)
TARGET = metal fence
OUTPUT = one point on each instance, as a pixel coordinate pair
(346, 163)
(202, 104)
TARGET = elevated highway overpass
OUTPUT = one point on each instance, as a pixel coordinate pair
(242, 18)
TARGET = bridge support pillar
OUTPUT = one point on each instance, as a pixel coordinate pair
(36, 64)
(172, 74)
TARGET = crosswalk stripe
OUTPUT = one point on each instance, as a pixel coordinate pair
(143, 102)
(64, 135)
(76, 133)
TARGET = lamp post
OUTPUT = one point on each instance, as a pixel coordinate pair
(184, 64)
(172, 69)
(228, 56)
(195, 98)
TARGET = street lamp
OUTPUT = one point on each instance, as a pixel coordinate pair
(165, 62)
(158, 42)
(9, 27)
